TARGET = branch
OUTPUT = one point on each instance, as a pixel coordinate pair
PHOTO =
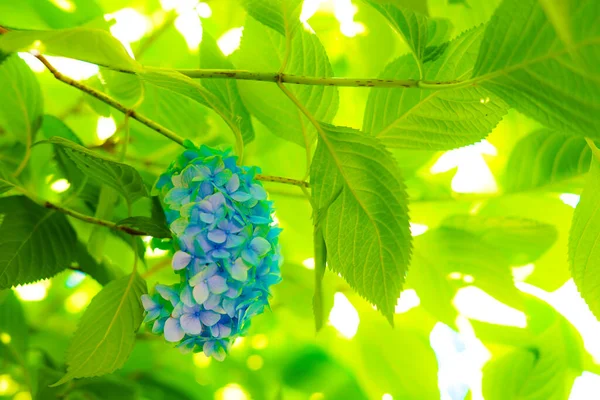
(276, 77)
(93, 220)
(279, 179)
(111, 102)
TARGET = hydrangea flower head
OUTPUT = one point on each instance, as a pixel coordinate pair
(227, 254)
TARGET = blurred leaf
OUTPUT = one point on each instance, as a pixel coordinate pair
(106, 333)
(52, 126)
(523, 60)
(545, 157)
(507, 376)
(6, 180)
(280, 15)
(434, 119)
(147, 225)
(225, 89)
(22, 102)
(412, 26)
(126, 88)
(366, 228)
(320, 265)
(35, 243)
(185, 86)
(106, 388)
(86, 44)
(313, 370)
(13, 324)
(521, 240)
(419, 6)
(263, 49)
(88, 265)
(121, 177)
(584, 241)
(104, 210)
(557, 351)
(413, 377)
(42, 14)
(99, 107)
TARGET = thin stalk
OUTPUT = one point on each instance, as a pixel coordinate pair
(279, 179)
(309, 80)
(111, 102)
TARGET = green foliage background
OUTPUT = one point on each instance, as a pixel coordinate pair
(431, 76)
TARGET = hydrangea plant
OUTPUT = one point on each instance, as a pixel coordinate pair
(227, 253)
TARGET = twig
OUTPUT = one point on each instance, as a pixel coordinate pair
(279, 179)
(93, 220)
(111, 102)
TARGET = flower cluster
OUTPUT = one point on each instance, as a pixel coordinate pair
(228, 253)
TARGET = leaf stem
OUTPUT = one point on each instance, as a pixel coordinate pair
(279, 179)
(111, 102)
(595, 150)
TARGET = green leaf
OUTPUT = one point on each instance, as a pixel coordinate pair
(412, 26)
(475, 250)
(280, 15)
(147, 225)
(22, 102)
(35, 243)
(52, 126)
(121, 177)
(548, 372)
(181, 84)
(434, 119)
(584, 241)
(106, 332)
(320, 265)
(13, 327)
(86, 44)
(42, 14)
(6, 180)
(88, 265)
(126, 88)
(522, 241)
(545, 157)
(225, 89)
(524, 61)
(263, 49)
(506, 376)
(366, 227)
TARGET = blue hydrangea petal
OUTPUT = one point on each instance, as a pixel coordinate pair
(233, 184)
(181, 260)
(159, 326)
(212, 302)
(261, 246)
(217, 236)
(173, 330)
(201, 292)
(186, 295)
(217, 284)
(239, 270)
(168, 293)
(190, 323)
(209, 318)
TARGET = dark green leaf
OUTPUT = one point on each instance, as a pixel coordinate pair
(147, 225)
(88, 265)
(366, 228)
(106, 333)
(35, 243)
(22, 102)
(13, 327)
(121, 177)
